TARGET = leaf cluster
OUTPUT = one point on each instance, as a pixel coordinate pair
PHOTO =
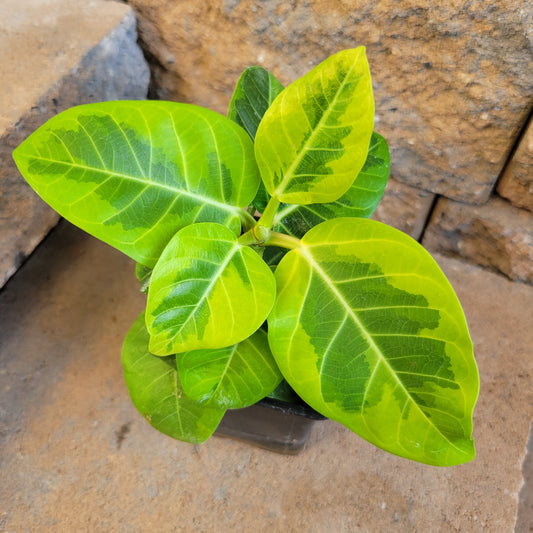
(253, 241)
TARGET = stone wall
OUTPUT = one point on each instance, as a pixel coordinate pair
(499, 233)
(55, 54)
(453, 84)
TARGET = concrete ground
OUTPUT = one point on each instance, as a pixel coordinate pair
(76, 456)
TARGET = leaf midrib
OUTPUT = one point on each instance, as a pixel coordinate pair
(224, 373)
(288, 175)
(205, 294)
(152, 183)
(329, 282)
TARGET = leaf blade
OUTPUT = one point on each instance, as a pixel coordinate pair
(314, 138)
(207, 291)
(363, 344)
(360, 200)
(254, 93)
(232, 377)
(156, 392)
(133, 173)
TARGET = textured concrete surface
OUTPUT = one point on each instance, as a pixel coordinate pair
(524, 522)
(76, 456)
(55, 54)
(453, 80)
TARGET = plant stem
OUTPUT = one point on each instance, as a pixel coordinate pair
(285, 241)
(261, 236)
(247, 220)
(256, 236)
(248, 238)
(267, 218)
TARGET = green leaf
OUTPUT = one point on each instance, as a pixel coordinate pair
(255, 91)
(156, 391)
(361, 199)
(285, 393)
(143, 274)
(207, 292)
(232, 377)
(368, 331)
(133, 173)
(314, 138)
(272, 255)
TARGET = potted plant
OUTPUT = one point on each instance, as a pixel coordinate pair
(252, 239)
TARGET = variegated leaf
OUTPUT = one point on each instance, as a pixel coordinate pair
(368, 331)
(361, 199)
(133, 173)
(313, 140)
(207, 291)
(232, 377)
(155, 390)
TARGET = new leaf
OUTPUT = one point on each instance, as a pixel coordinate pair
(314, 138)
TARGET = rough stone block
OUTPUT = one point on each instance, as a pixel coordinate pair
(516, 183)
(55, 54)
(453, 80)
(405, 208)
(77, 456)
(496, 235)
(524, 522)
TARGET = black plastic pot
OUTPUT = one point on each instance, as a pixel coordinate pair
(272, 424)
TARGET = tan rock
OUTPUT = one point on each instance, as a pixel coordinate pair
(405, 208)
(453, 80)
(516, 183)
(55, 54)
(77, 456)
(496, 235)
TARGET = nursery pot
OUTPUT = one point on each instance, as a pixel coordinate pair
(272, 424)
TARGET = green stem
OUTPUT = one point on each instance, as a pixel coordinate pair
(261, 236)
(257, 236)
(248, 238)
(285, 241)
(247, 220)
(267, 218)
